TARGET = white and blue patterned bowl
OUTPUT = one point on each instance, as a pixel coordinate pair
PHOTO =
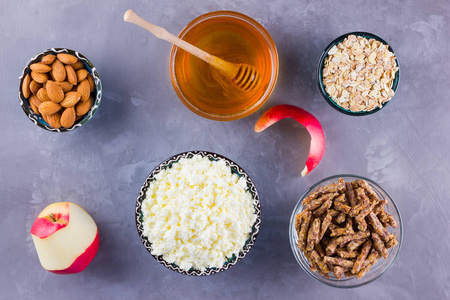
(235, 169)
(38, 120)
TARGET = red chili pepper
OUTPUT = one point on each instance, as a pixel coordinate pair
(279, 112)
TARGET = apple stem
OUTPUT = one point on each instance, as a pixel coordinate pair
(52, 216)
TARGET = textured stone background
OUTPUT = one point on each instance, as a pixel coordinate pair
(405, 147)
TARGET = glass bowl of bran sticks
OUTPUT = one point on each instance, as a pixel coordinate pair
(345, 231)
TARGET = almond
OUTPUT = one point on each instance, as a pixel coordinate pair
(78, 65)
(68, 117)
(49, 107)
(39, 77)
(70, 99)
(34, 86)
(91, 81)
(48, 59)
(45, 118)
(65, 86)
(81, 74)
(42, 95)
(51, 77)
(54, 91)
(67, 59)
(35, 100)
(84, 106)
(58, 72)
(26, 86)
(71, 75)
(84, 89)
(54, 120)
(35, 109)
(40, 67)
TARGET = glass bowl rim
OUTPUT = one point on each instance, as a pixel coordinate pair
(319, 277)
(237, 169)
(25, 103)
(324, 93)
(274, 58)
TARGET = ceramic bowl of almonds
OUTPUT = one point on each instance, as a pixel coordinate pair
(60, 90)
(358, 73)
(345, 231)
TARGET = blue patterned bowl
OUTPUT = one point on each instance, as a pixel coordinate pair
(38, 120)
(235, 169)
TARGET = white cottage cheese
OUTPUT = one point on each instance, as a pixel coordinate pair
(197, 213)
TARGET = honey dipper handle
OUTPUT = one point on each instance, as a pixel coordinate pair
(163, 34)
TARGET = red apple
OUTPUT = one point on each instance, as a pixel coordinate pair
(65, 237)
(279, 112)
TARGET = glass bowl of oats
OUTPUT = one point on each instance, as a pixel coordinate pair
(358, 73)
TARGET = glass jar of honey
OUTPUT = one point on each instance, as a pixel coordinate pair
(233, 37)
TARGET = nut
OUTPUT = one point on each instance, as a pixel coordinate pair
(26, 86)
(67, 59)
(81, 74)
(35, 109)
(54, 120)
(91, 82)
(49, 107)
(34, 86)
(42, 95)
(83, 107)
(48, 59)
(68, 117)
(39, 77)
(65, 86)
(70, 99)
(54, 91)
(58, 71)
(71, 75)
(35, 100)
(40, 67)
(84, 89)
(78, 65)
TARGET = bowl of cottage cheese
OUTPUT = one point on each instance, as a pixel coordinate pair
(198, 213)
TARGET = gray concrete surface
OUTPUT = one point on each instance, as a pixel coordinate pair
(405, 147)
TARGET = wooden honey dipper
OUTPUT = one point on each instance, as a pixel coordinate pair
(244, 76)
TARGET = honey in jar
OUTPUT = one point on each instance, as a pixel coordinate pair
(233, 37)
